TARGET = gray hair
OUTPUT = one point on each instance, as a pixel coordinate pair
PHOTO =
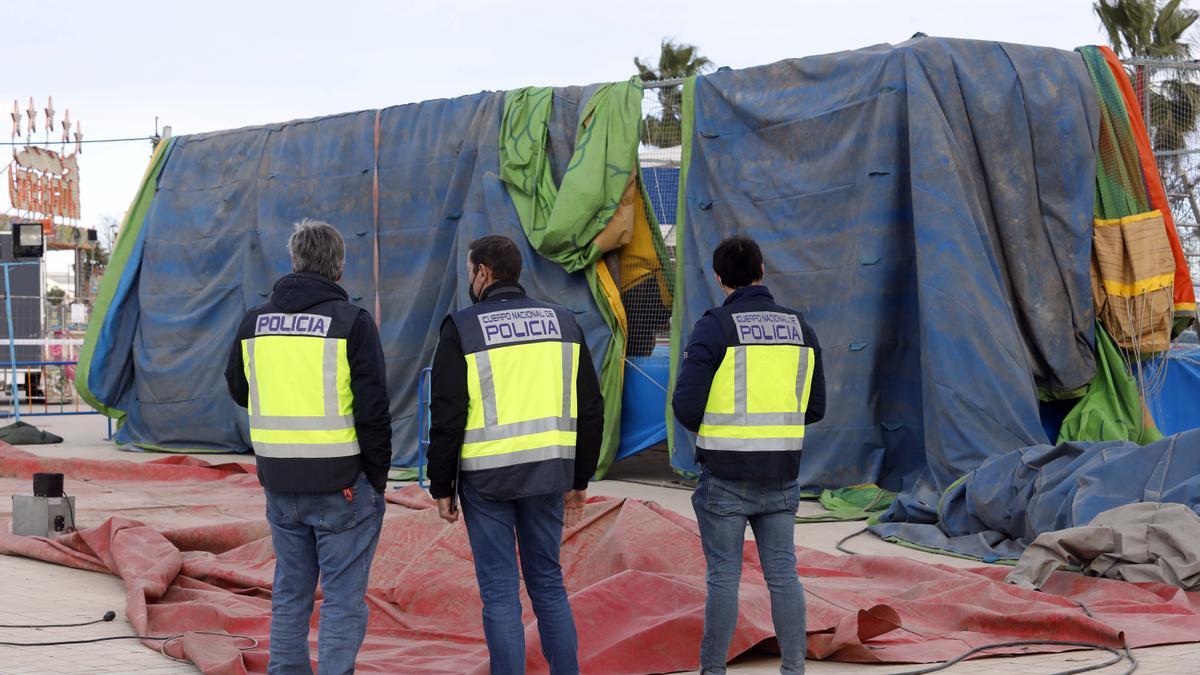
(317, 247)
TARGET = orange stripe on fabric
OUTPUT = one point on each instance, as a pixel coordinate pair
(1184, 293)
(375, 210)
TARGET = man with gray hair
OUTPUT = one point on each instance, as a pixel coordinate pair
(309, 368)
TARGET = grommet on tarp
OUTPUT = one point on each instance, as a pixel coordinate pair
(879, 172)
(858, 346)
(454, 215)
(709, 134)
(263, 293)
(705, 205)
(891, 426)
(361, 234)
(869, 260)
(887, 90)
(356, 298)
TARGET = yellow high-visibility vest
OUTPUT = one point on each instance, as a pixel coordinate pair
(301, 405)
(522, 405)
(522, 359)
(758, 399)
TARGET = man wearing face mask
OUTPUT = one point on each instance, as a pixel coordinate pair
(516, 423)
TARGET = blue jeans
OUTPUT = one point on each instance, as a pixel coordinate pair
(495, 530)
(321, 533)
(723, 508)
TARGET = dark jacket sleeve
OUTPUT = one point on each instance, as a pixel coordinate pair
(590, 427)
(235, 372)
(372, 406)
(703, 355)
(447, 411)
(816, 396)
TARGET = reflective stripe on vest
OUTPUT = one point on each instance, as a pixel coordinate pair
(301, 405)
(522, 405)
(758, 399)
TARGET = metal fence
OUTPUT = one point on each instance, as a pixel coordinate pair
(647, 299)
(40, 341)
(1169, 96)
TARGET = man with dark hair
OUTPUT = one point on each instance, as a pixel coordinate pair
(750, 381)
(309, 368)
(516, 424)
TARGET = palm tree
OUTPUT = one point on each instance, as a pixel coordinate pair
(675, 61)
(1152, 29)
(1146, 28)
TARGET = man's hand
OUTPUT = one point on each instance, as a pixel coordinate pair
(447, 511)
(573, 503)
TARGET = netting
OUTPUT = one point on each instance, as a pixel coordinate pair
(1169, 96)
(1120, 188)
(647, 263)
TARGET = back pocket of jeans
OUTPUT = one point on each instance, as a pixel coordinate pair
(339, 513)
(721, 500)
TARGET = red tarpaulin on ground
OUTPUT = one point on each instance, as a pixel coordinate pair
(190, 542)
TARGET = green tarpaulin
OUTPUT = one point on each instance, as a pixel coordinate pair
(20, 433)
(857, 502)
(562, 221)
(114, 286)
(1111, 408)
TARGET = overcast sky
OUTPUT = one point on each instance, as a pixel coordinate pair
(219, 64)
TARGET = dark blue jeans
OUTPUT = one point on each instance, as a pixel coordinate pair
(321, 533)
(723, 508)
(496, 529)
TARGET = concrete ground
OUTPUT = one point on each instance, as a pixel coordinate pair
(38, 592)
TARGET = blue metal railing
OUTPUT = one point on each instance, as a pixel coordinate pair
(17, 413)
(424, 396)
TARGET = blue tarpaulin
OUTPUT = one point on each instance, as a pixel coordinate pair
(997, 510)
(643, 400)
(1173, 390)
(929, 207)
(215, 237)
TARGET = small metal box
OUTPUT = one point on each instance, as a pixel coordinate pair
(43, 516)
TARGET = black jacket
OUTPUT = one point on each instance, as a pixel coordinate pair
(448, 405)
(702, 357)
(314, 294)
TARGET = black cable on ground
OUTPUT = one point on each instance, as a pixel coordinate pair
(1058, 643)
(108, 616)
(848, 538)
(162, 649)
(74, 528)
